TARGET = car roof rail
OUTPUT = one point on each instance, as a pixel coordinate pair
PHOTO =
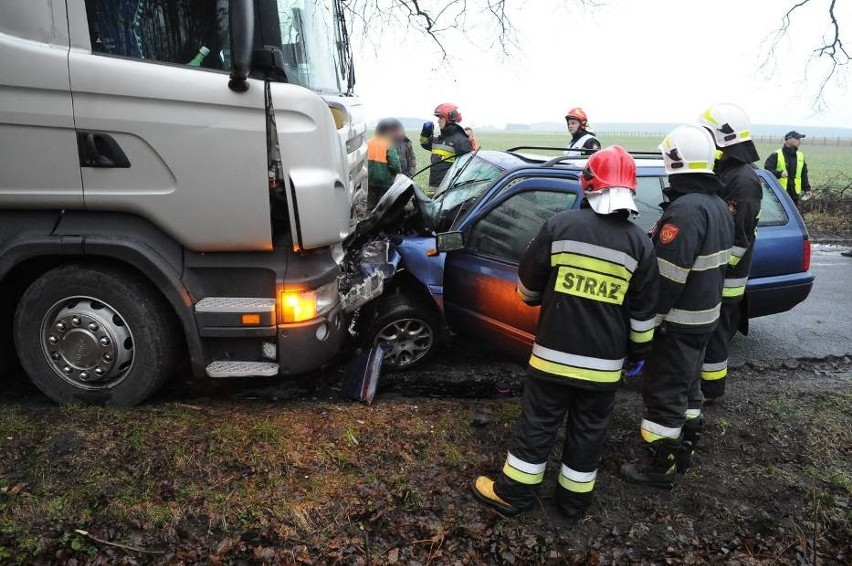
(581, 150)
(584, 152)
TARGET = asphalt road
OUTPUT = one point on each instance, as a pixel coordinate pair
(819, 327)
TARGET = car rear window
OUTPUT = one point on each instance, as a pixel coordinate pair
(649, 195)
(772, 213)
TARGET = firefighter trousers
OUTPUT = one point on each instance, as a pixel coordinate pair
(672, 387)
(545, 405)
(714, 370)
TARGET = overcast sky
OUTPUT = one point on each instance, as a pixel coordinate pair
(623, 61)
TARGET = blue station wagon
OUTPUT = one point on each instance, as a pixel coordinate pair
(490, 206)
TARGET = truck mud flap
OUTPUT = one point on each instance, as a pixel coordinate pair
(362, 377)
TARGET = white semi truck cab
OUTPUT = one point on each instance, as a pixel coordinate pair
(176, 179)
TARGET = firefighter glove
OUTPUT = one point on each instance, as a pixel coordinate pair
(632, 368)
(428, 128)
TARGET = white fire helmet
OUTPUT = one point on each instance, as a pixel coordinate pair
(688, 149)
(728, 122)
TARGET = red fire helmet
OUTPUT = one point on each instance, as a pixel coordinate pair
(609, 168)
(449, 112)
(577, 114)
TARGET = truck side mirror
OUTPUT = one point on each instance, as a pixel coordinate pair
(242, 38)
(449, 241)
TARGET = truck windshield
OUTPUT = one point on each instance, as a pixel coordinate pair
(309, 41)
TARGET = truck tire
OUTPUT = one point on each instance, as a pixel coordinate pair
(408, 328)
(95, 335)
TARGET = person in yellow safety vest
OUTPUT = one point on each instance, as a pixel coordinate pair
(789, 166)
(595, 276)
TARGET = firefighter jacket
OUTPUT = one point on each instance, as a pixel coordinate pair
(692, 240)
(742, 191)
(444, 148)
(596, 279)
(792, 160)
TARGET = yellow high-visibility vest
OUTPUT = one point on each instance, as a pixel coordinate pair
(782, 166)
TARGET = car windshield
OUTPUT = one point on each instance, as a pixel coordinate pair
(465, 182)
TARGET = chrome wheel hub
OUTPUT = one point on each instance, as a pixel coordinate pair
(87, 343)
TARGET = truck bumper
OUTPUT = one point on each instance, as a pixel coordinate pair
(307, 346)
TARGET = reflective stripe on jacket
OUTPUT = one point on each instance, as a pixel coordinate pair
(596, 279)
(742, 190)
(692, 241)
(444, 148)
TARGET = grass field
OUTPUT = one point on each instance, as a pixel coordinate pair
(827, 166)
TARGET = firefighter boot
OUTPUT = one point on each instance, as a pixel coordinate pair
(660, 468)
(712, 390)
(483, 489)
(571, 504)
(693, 429)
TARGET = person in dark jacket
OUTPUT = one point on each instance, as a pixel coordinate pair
(595, 276)
(451, 142)
(403, 146)
(789, 166)
(741, 189)
(581, 137)
(382, 163)
(692, 240)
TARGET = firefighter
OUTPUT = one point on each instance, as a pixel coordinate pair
(581, 137)
(741, 189)
(451, 142)
(595, 276)
(692, 241)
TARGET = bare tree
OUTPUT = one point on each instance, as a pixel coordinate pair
(439, 18)
(828, 48)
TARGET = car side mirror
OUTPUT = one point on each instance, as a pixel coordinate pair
(449, 241)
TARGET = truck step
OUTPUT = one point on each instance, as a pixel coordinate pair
(242, 369)
(235, 304)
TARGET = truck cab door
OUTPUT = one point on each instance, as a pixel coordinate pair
(480, 280)
(160, 133)
(38, 148)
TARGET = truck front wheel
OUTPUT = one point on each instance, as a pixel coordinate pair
(94, 335)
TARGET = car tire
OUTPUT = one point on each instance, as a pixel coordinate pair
(95, 335)
(409, 330)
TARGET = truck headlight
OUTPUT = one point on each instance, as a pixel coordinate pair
(299, 306)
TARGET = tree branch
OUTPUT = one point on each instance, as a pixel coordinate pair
(832, 49)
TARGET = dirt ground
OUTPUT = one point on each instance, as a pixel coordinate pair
(262, 473)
